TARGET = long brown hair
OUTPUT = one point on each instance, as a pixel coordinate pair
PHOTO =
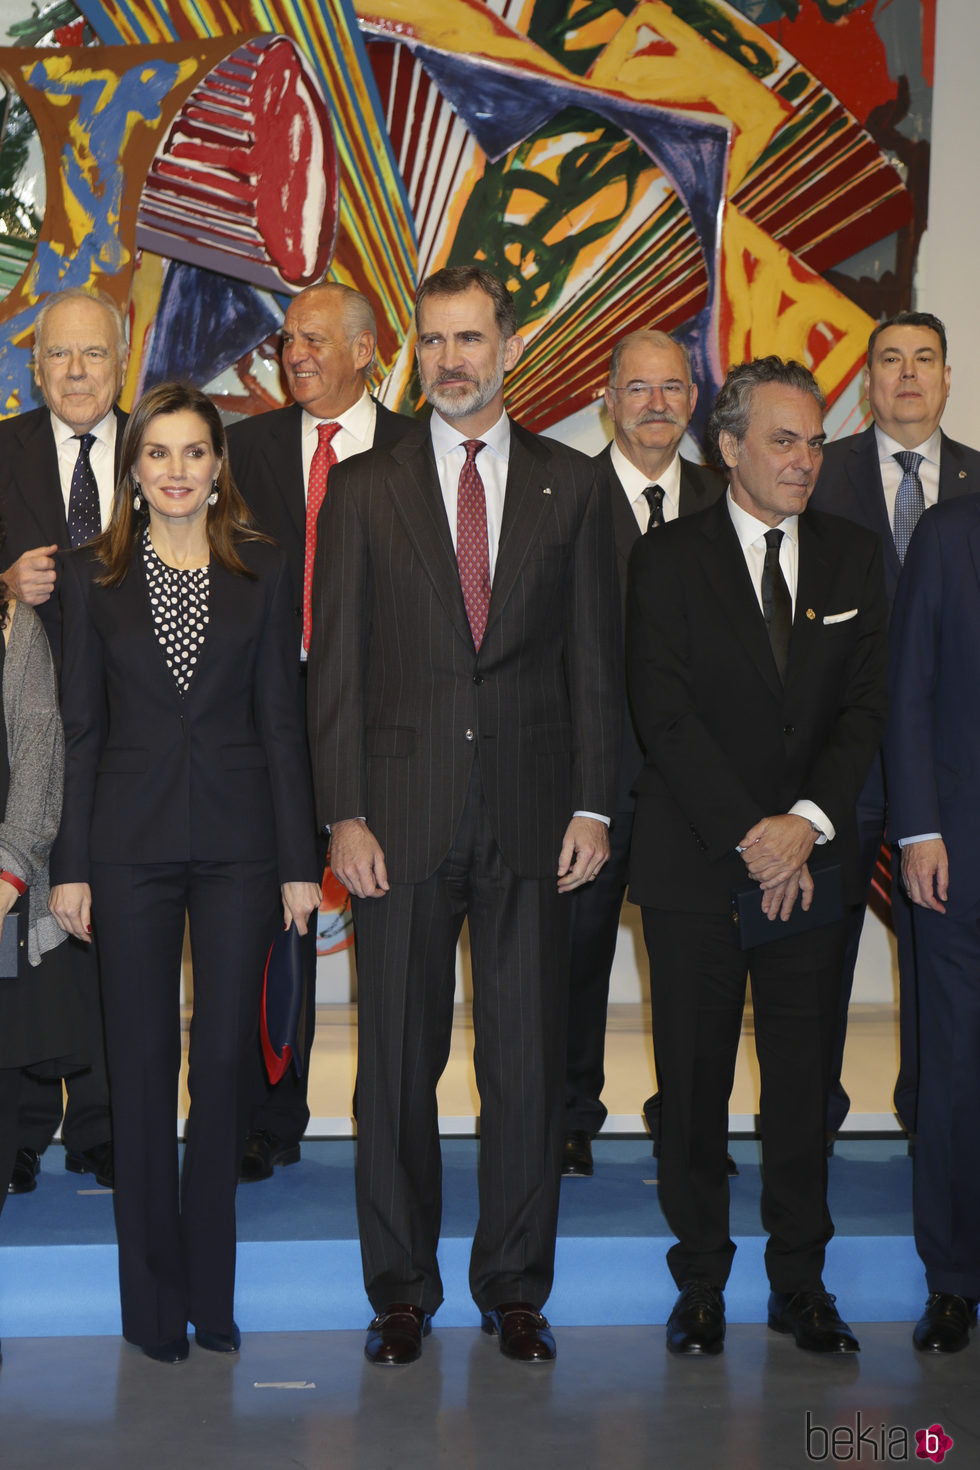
(228, 522)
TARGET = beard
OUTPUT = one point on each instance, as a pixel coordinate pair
(464, 399)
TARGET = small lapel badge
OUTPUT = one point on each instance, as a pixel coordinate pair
(962, 474)
(545, 490)
(810, 614)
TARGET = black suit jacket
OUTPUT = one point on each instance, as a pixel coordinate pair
(150, 777)
(726, 742)
(399, 700)
(849, 485)
(31, 503)
(266, 458)
(700, 487)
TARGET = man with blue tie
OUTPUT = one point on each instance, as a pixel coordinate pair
(59, 471)
(883, 478)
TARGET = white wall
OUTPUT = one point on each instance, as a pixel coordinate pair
(948, 281)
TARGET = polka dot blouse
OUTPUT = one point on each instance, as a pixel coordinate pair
(179, 605)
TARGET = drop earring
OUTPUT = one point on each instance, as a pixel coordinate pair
(213, 497)
(137, 498)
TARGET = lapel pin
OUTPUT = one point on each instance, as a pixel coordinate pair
(962, 474)
(545, 490)
(810, 614)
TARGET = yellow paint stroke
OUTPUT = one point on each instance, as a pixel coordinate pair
(774, 303)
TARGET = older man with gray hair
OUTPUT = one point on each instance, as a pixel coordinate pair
(650, 398)
(59, 473)
(756, 654)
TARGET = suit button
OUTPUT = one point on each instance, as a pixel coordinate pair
(470, 735)
(789, 729)
(477, 678)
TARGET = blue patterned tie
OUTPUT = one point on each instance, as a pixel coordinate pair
(910, 501)
(84, 515)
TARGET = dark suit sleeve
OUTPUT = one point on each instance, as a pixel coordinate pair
(659, 654)
(595, 672)
(278, 713)
(83, 713)
(338, 654)
(910, 756)
(835, 777)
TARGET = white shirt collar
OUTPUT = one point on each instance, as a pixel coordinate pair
(358, 420)
(749, 529)
(889, 447)
(104, 430)
(446, 438)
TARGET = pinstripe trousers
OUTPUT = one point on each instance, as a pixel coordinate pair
(406, 946)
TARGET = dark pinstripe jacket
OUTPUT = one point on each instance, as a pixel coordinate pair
(399, 701)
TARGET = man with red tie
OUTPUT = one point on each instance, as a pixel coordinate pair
(281, 462)
(59, 474)
(464, 703)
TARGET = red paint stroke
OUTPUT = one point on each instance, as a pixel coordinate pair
(847, 55)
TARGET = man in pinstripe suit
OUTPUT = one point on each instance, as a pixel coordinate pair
(465, 697)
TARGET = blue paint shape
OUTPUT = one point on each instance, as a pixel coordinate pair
(204, 324)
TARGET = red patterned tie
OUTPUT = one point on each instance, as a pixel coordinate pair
(324, 457)
(472, 547)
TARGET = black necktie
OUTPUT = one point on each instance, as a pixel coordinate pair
(777, 606)
(654, 497)
(84, 516)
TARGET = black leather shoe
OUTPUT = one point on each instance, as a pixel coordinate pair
(576, 1158)
(262, 1152)
(27, 1166)
(219, 1342)
(944, 1326)
(175, 1351)
(697, 1323)
(813, 1320)
(524, 1334)
(97, 1161)
(395, 1336)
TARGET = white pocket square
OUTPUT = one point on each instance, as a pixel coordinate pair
(841, 617)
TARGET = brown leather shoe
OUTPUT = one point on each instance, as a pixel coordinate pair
(524, 1334)
(395, 1336)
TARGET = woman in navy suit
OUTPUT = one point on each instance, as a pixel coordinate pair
(186, 794)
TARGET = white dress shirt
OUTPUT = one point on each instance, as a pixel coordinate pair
(891, 470)
(356, 433)
(102, 458)
(634, 482)
(751, 535)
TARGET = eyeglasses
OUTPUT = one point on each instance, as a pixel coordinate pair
(640, 392)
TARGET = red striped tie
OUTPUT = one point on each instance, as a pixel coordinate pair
(324, 458)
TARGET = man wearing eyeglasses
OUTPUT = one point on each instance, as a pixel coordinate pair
(650, 398)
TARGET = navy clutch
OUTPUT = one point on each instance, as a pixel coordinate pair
(754, 928)
(283, 1013)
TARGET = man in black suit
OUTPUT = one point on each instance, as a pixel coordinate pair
(328, 342)
(650, 398)
(56, 490)
(907, 383)
(464, 705)
(756, 657)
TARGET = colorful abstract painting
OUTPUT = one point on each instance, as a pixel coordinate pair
(749, 174)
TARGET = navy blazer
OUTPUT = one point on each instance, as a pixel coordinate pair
(932, 756)
(220, 774)
(727, 743)
(31, 502)
(849, 485)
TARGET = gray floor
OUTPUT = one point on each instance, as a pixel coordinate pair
(614, 1399)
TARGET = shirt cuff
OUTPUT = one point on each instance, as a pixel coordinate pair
(596, 817)
(817, 818)
(922, 837)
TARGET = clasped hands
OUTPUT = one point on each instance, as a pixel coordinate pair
(775, 853)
